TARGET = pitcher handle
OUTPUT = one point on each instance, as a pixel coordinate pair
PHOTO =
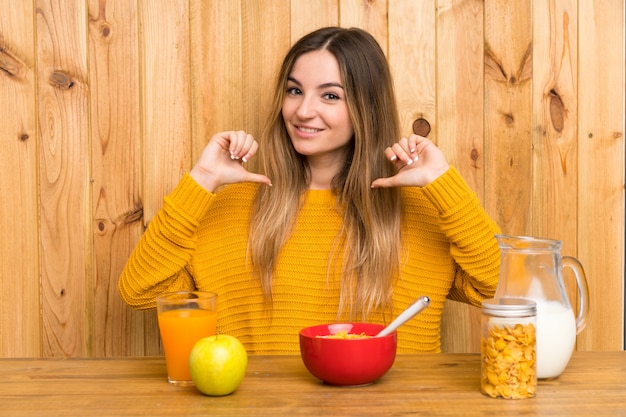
(583, 291)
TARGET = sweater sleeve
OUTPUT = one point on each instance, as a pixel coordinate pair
(160, 261)
(471, 233)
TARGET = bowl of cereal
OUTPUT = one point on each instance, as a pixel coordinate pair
(347, 353)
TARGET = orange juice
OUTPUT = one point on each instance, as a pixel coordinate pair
(180, 330)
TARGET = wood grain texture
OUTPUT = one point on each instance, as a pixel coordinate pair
(600, 219)
(411, 54)
(217, 77)
(370, 15)
(20, 327)
(507, 75)
(166, 98)
(264, 43)
(116, 161)
(306, 16)
(554, 138)
(63, 114)
(427, 384)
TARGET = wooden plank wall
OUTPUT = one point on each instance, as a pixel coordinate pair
(104, 104)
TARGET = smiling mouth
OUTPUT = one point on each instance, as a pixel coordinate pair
(308, 129)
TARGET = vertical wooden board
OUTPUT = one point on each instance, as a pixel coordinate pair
(411, 54)
(555, 115)
(460, 131)
(601, 161)
(20, 325)
(508, 70)
(265, 43)
(370, 15)
(116, 158)
(166, 98)
(62, 106)
(216, 70)
(306, 16)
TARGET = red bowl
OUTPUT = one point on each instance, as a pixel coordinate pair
(347, 361)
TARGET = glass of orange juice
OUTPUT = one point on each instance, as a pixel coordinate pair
(184, 318)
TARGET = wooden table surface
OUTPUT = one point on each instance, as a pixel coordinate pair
(594, 384)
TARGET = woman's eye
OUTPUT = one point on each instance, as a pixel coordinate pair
(293, 91)
(331, 96)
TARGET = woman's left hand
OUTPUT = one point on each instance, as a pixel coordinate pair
(418, 161)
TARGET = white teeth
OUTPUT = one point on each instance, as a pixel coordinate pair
(308, 130)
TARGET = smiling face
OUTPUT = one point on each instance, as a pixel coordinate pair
(315, 110)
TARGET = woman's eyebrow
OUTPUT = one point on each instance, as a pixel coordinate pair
(331, 84)
(325, 85)
(293, 80)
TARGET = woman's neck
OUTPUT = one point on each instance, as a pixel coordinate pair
(321, 182)
(322, 172)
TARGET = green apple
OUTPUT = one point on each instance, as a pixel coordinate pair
(217, 364)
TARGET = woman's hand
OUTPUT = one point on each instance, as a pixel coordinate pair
(418, 161)
(222, 161)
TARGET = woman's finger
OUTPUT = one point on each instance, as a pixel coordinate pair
(401, 151)
(250, 151)
(238, 141)
(412, 142)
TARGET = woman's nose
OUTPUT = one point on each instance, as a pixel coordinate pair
(306, 108)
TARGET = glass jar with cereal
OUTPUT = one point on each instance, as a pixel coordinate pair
(508, 348)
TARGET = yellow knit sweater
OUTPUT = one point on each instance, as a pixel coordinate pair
(198, 240)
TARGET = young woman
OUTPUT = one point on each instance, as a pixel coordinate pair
(339, 218)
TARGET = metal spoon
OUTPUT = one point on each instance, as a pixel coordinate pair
(412, 310)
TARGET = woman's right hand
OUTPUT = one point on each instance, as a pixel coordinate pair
(222, 161)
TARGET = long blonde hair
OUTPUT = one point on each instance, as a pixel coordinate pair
(370, 237)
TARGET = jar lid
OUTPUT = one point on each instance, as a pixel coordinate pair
(512, 307)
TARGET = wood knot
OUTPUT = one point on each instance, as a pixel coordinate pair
(61, 80)
(474, 154)
(24, 137)
(105, 30)
(134, 215)
(557, 111)
(7, 67)
(421, 127)
(449, 365)
(10, 65)
(509, 119)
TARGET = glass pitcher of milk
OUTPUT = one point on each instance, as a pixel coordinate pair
(532, 268)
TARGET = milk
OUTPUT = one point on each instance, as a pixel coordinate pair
(556, 337)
